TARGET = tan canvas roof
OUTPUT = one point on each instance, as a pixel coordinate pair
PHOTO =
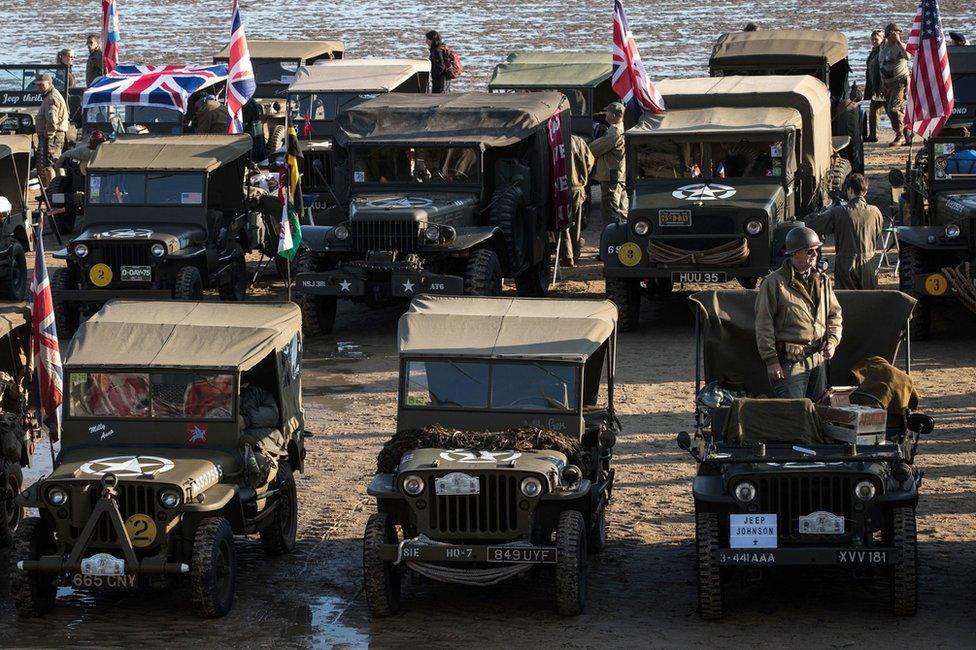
(266, 49)
(12, 316)
(357, 75)
(455, 326)
(156, 334)
(778, 47)
(11, 144)
(170, 152)
(718, 120)
(552, 69)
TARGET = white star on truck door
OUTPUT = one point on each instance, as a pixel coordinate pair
(408, 287)
(345, 285)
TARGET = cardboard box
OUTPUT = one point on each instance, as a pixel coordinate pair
(859, 419)
(838, 396)
(846, 434)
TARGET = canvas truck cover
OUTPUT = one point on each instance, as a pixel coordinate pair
(719, 120)
(503, 328)
(15, 167)
(552, 70)
(477, 118)
(200, 335)
(356, 75)
(873, 325)
(12, 316)
(11, 144)
(286, 50)
(782, 48)
(803, 93)
(170, 152)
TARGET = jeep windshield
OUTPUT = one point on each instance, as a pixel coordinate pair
(323, 107)
(416, 165)
(120, 117)
(155, 188)
(955, 160)
(19, 79)
(496, 385)
(272, 71)
(154, 395)
(664, 158)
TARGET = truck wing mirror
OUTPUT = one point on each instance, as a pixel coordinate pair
(684, 441)
(896, 178)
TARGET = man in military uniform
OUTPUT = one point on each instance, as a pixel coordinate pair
(579, 178)
(798, 320)
(51, 126)
(258, 421)
(856, 227)
(611, 167)
(95, 66)
(211, 116)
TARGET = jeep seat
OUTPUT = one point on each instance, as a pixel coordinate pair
(773, 420)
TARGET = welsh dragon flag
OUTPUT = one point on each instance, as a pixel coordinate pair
(290, 195)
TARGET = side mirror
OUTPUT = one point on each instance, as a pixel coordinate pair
(922, 423)
(684, 441)
(896, 178)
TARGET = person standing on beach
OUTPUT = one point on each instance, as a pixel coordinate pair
(893, 60)
(439, 81)
(611, 166)
(67, 57)
(95, 66)
(872, 85)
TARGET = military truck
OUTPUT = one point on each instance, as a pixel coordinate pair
(821, 54)
(165, 218)
(17, 229)
(19, 97)
(17, 418)
(449, 194)
(157, 473)
(502, 457)
(317, 97)
(773, 489)
(936, 205)
(717, 183)
(275, 65)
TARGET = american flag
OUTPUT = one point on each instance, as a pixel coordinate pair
(913, 33)
(45, 349)
(930, 97)
(110, 35)
(167, 86)
(241, 84)
(630, 80)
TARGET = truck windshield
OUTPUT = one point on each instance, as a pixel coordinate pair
(492, 385)
(127, 188)
(19, 79)
(664, 158)
(955, 160)
(417, 165)
(157, 395)
(129, 115)
(274, 72)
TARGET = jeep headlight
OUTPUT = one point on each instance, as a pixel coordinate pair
(81, 250)
(448, 233)
(341, 232)
(432, 234)
(754, 227)
(641, 227)
(745, 491)
(56, 495)
(413, 485)
(531, 487)
(25, 121)
(158, 250)
(865, 490)
(952, 230)
(169, 498)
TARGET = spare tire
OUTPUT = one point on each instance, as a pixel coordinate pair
(507, 214)
(840, 169)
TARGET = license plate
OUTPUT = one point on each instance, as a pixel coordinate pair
(862, 557)
(674, 217)
(753, 531)
(102, 564)
(522, 555)
(699, 276)
(457, 483)
(137, 274)
(82, 581)
(821, 523)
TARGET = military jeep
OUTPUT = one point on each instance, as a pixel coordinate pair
(165, 218)
(19, 97)
(936, 205)
(448, 194)
(17, 229)
(773, 489)
(821, 54)
(717, 183)
(502, 457)
(17, 418)
(157, 470)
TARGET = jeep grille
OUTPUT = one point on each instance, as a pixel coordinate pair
(401, 236)
(132, 499)
(494, 510)
(792, 497)
(316, 180)
(117, 255)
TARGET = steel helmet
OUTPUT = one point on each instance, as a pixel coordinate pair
(5, 206)
(801, 238)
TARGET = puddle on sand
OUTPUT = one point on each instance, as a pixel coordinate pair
(328, 628)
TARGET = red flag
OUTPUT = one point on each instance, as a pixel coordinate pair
(913, 33)
(560, 180)
(930, 96)
(45, 348)
(110, 35)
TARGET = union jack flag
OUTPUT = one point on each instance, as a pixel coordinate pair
(110, 35)
(168, 86)
(45, 348)
(630, 80)
(241, 85)
(930, 95)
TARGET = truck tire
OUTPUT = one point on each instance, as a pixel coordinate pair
(625, 294)
(911, 265)
(571, 564)
(381, 578)
(213, 568)
(33, 593)
(189, 284)
(507, 213)
(235, 289)
(11, 513)
(711, 597)
(904, 573)
(318, 312)
(840, 169)
(596, 537)
(14, 286)
(279, 536)
(65, 221)
(534, 281)
(66, 314)
(277, 139)
(483, 274)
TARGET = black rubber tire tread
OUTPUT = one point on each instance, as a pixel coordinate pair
(66, 220)
(14, 287)
(483, 274)
(10, 519)
(210, 534)
(318, 312)
(596, 536)
(277, 139)
(66, 315)
(381, 579)
(571, 563)
(625, 294)
(904, 575)
(534, 281)
(504, 214)
(912, 264)
(189, 284)
(711, 598)
(236, 290)
(34, 594)
(840, 169)
(279, 537)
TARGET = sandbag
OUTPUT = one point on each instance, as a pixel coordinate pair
(773, 420)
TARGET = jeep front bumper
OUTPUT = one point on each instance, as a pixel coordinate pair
(804, 556)
(352, 282)
(502, 554)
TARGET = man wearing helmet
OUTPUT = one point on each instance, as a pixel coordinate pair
(83, 152)
(798, 320)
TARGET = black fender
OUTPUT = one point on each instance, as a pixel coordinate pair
(710, 488)
(613, 235)
(314, 237)
(928, 238)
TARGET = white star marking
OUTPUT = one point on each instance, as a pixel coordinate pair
(345, 285)
(408, 287)
(127, 466)
(704, 192)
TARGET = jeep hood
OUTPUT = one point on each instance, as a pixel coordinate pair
(696, 195)
(173, 236)
(957, 205)
(435, 207)
(540, 461)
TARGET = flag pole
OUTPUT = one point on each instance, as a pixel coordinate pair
(287, 202)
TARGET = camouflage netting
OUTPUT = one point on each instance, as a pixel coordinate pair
(517, 439)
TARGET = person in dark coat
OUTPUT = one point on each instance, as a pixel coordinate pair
(95, 66)
(439, 83)
(872, 85)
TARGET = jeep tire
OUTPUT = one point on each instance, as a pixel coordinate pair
(33, 593)
(596, 536)
(277, 139)
(840, 169)
(278, 537)
(14, 284)
(711, 597)
(381, 578)
(65, 221)
(318, 312)
(483, 274)
(507, 213)
(11, 513)
(234, 289)
(625, 294)
(571, 563)
(213, 568)
(66, 314)
(188, 285)
(904, 572)
(534, 281)
(911, 265)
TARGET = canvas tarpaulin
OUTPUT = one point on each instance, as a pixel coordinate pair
(286, 50)
(357, 75)
(773, 420)
(552, 70)
(778, 48)
(171, 152)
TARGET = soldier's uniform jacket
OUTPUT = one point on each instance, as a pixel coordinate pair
(95, 66)
(212, 117)
(790, 313)
(579, 173)
(856, 227)
(611, 167)
(52, 116)
(261, 416)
